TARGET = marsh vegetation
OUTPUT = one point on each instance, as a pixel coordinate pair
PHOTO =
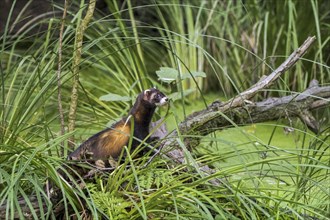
(272, 170)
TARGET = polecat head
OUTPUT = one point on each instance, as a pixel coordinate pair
(155, 97)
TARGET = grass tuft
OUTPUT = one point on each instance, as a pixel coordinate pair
(265, 172)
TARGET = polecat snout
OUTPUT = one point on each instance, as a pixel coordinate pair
(110, 141)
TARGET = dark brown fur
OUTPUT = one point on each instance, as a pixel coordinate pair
(110, 142)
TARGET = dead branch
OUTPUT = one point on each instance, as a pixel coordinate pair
(267, 81)
(239, 110)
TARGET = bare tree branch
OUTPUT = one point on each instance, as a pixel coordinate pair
(271, 78)
(238, 111)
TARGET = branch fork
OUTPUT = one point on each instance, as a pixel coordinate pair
(240, 110)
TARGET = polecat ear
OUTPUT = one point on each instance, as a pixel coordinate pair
(147, 92)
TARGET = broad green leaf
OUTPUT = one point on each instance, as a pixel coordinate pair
(111, 122)
(111, 97)
(193, 74)
(167, 74)
(177, 95)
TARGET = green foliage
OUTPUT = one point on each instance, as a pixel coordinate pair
(111, 97)
(24, 171)
(155, 178)
(232, 43)
(178, 95)
(168, 75)
(110, 205)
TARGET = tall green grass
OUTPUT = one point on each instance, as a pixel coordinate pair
(248, 40)
(257, 181)
(233, 42)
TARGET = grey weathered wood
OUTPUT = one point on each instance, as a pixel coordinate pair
(241, 111)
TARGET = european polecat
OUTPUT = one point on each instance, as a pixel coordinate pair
(110, 142)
